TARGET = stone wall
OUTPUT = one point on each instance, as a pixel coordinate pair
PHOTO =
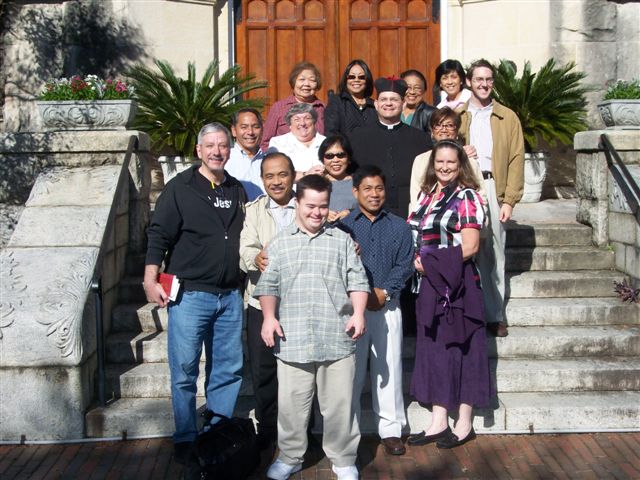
(84, 214)
(604, 203)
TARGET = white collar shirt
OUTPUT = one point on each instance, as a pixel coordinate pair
(246, 169)
(480, 135)
(282, 215)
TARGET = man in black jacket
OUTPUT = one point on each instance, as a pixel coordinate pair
(195, 230)
(390, 144)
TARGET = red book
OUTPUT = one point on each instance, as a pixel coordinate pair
(170, 285)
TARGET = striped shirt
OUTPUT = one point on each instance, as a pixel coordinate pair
(438, 218)
(312, 275)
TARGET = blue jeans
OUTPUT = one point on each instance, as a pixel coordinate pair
(216, 321)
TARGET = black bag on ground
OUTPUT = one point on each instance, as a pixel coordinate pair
(227, 449)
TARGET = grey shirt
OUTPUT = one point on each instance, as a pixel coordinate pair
(312, 275)
(342, 195)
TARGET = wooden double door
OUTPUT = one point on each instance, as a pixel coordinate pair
(389, 35)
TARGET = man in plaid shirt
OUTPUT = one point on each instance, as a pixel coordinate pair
(317, 282)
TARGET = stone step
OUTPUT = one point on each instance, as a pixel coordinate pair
(571, 341)
(149, 380)
(578, 374)
(533, 341)
(512, 413)
(571, 311)
(544, 234)
(586, 283)
(139, 317)
(135, 264)
(521, 259)
(131, 290)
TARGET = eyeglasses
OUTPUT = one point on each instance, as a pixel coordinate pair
(445, 126)
(358, 77)
(480, 81)
(329, 156)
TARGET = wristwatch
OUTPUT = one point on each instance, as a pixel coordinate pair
(387, 297)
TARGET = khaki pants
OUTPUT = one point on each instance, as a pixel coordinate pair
(490, 258)
(333, 381)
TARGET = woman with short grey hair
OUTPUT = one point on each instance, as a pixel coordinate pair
(303, 140)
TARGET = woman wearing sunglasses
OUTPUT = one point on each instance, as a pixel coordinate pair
(352, 106)
(335, 153)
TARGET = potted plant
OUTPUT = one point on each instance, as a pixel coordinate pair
(621, 105)
(172, 110)
(88, 103)
(550, 103)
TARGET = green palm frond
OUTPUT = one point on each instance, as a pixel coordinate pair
(172, 109)
(550, 103)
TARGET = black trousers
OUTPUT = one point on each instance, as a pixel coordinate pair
(263, 375)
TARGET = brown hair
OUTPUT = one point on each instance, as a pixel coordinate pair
(442, 114)
(477, 64)
(465, 178)
(298, 68)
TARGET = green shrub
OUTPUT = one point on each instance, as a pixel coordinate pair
(172, 110)
(550, 103)
(622, 90)
(89, 88)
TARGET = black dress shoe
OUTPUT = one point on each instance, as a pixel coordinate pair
(424, 439)
(452, 441)
(393, 446)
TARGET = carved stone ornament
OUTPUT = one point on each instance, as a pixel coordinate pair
(14, 284)
(620, 113)
(87, 115)
(66, 296)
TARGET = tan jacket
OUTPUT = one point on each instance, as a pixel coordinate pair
(258, 230)
(419, 168)
(507, 158)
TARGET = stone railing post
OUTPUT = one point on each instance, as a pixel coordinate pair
(601, 201)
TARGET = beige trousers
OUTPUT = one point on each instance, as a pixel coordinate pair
(333, 381)
(490, 258)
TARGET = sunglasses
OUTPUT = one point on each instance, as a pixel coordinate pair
(329, 156)
(358, 77)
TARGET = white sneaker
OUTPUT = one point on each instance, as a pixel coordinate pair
(346, 473)
(281, 471)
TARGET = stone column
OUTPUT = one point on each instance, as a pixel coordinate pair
(603, 203)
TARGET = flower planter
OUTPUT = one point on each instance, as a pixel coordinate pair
(173, 165)
(620, 113)
(87, 115)
(535, 171)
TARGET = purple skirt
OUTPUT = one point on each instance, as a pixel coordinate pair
(450, 375)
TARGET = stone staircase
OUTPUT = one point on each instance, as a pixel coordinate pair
(571, 360)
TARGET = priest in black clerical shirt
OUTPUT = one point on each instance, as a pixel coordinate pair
(391, 144)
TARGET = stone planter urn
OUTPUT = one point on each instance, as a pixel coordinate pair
(620, 113)
(87, 114)
(535, 171)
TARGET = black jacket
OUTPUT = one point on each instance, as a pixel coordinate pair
(343, 114)
(422, 117)
(200, 249)
(393, 151)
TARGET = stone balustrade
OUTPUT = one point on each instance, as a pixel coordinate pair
(602, 202)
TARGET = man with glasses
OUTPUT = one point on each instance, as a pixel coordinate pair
(496, 133)
(391, 144)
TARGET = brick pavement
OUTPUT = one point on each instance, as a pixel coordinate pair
(569, 456)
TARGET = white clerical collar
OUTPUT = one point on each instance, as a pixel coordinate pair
(392, 126)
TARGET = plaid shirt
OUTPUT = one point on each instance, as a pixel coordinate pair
(312, 277)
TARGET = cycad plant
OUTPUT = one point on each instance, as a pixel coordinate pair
(172, 109)
(550, 103)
